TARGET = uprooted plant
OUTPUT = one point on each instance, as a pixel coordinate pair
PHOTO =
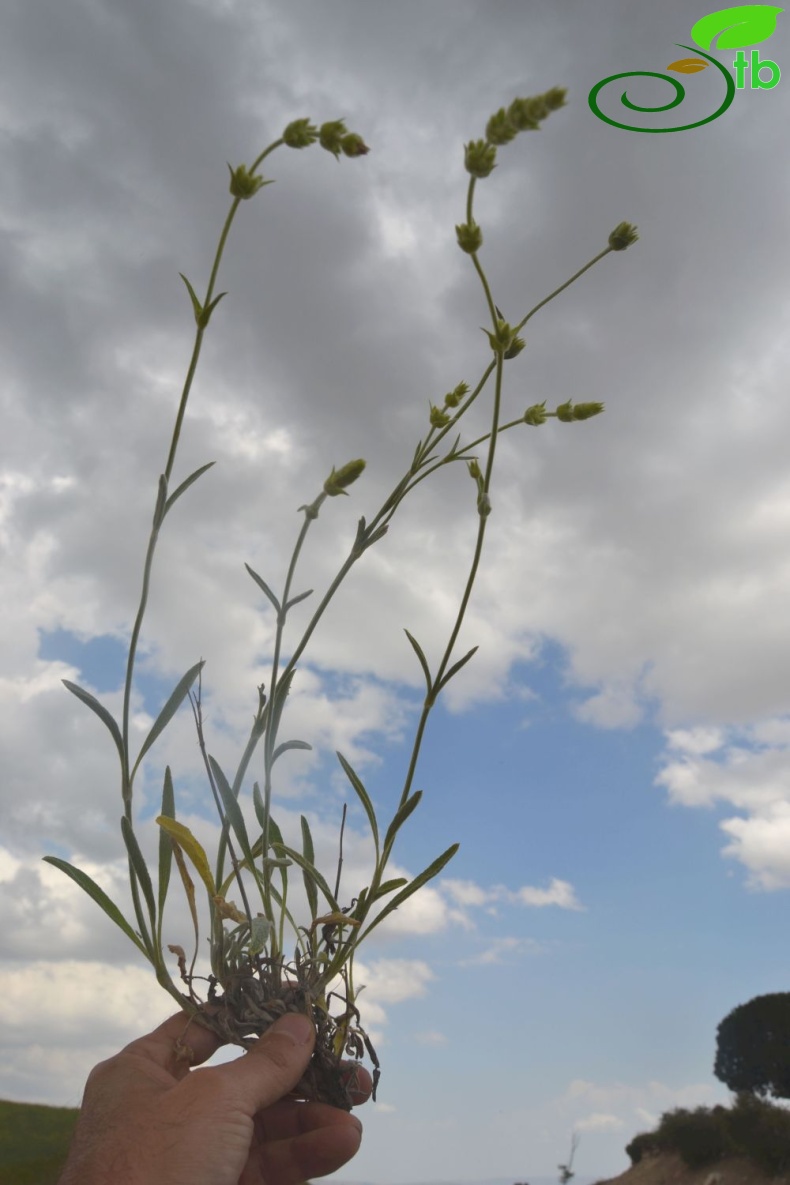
(253, 979)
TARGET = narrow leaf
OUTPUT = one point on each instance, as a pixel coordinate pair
(189, 889)
(140, 867)
(455, 668)
(422, 658)
(275, 835)
(379, 533)
(264, 586)
(192, 848)
(400, 817)
(430, 872)
(169, 710)
(186, 484)
(260, 931)
(360, 536)
(362, 795)
(99, 896)
(389, 887)
(257, 802)
(197, 307)
(311, 870)
(205, 316)
(165, 846)
(289, 745)
(100, 711)
(295, 600)
(232, 809)
(309, 855)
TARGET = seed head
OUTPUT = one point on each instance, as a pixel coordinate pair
(353, 145)
(499, 129)
(479, 158)
(515, 347)
(244, 184)
(453, 398)
(536, 414)
(338, 479)
(623, 235)
(470, 237)
(526, 114)
(300, 134)
(583, 411)
(331, 136)
(502, 339)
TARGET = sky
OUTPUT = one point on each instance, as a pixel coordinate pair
(615, 759)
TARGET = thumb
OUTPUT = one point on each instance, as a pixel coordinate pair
(276, 1061)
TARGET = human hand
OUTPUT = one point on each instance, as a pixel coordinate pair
(148, 1119)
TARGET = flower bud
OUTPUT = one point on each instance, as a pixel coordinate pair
(536, 414)
(353, 145)
(502, 339)
(555, 98)
(521, 117)
(300, 134)
(623, 235)
(564, 412)
(484, 505)
(526, 114)
(453, 398)
(439, 418)
(244, 184)
(583, 411)
(474, 470)
(515, 347)
(338, 479)
(479, 158)
(499, 129)
(331, 136)
(470, 237)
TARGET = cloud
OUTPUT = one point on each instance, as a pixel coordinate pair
(499, 950)
(467, 893)
(430, 1037)
(748, 769)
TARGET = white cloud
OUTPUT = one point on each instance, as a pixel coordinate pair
(430, 1037)
(467, 893)
(749, 772)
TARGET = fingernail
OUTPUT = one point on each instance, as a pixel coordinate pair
(295, 1025)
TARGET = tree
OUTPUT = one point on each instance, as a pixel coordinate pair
(753, 1046)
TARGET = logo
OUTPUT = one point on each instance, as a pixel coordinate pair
(735, 28)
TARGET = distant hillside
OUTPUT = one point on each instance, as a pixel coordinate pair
(34, 1141)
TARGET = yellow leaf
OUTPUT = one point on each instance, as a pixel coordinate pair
(192, 848)
(688, 65)
(228, 909)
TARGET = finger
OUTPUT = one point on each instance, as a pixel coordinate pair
(176, 1045)
(274, 1063)
(288, 1118)
(315, 1152)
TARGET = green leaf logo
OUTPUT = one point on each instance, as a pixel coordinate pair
(688, 65)
(747, 24)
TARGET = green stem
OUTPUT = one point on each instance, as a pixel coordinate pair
(311, 513)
